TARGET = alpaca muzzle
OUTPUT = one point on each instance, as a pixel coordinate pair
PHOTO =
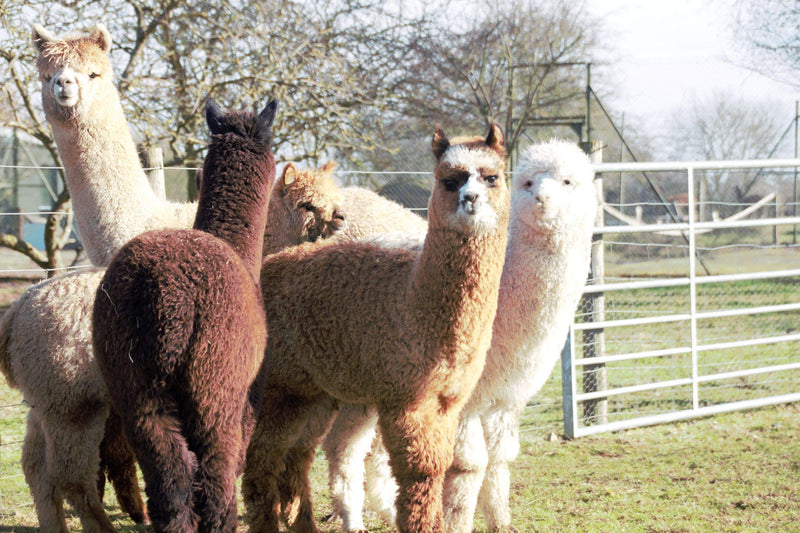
(65, 88)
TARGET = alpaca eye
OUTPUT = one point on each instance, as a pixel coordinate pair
(308, 206)
(528, 184)
(94, 75)
(451, 185)
(567, 182)
(491, 180)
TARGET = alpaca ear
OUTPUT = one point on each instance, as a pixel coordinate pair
(102, 37)
(329, 167)
(41, 36)
(213, 116)
(495, 138)
(267, 115)
(439, 143)
(288, 176)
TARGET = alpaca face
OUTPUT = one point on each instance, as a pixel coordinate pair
(470, 191)
(305, 206)
(553, 188)
(72, 71)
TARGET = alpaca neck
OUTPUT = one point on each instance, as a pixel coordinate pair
(238, 218)
(539, 276)
(453, 287)
(110, 193)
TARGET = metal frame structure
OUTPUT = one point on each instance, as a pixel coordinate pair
(571, 395)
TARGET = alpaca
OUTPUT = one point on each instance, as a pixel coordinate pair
(178, 357)
(553, 204)
(369, 214)
(101, 166)
(404, 331)
(61, 454)
(305, 205)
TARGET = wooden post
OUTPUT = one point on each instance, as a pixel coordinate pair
(594, 376)
(155, 163)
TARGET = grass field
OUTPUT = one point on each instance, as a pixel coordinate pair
(733, 472)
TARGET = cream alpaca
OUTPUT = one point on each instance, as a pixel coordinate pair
(553, 206)
(50, 360)
(404, 331)
(111, 196)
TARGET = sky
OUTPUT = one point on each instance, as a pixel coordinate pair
(668, 53)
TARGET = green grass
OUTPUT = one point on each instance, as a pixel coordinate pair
(733, 472)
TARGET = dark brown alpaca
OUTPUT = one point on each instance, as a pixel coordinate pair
(179, 332)
(404, 331)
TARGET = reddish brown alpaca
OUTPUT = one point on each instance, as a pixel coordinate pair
(402, 330)
(179, 332)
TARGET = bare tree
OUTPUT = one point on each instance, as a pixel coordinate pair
(726, 127)
(326, 62)
(514, 62)
(770, 32)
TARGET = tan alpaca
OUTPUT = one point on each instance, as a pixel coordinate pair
(305, 205)
(404, 331)
(111, 196)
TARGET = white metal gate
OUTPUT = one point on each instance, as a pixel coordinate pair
(707, 354)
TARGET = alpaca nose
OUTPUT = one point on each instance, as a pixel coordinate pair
(66, 86)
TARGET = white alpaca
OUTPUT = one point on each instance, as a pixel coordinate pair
(553, 206)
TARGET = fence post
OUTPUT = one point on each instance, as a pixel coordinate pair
(155, 162)
(775, 232)
(594, 376)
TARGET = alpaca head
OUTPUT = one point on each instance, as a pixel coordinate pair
(74, 71)
(469, 193)
(305, 205)
(250, 134)
(553, 190)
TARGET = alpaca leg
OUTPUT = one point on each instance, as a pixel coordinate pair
(420, 445)
(281, 419)
(465, 476)
(295, 484)
(73, 459)
(215, 436)
(381, 486)
(168, 468)
(118, 460)
(502, 436)
(346, 447)
(46, 496)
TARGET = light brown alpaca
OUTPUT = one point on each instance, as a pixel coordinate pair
(305, 205)
(404, 331)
